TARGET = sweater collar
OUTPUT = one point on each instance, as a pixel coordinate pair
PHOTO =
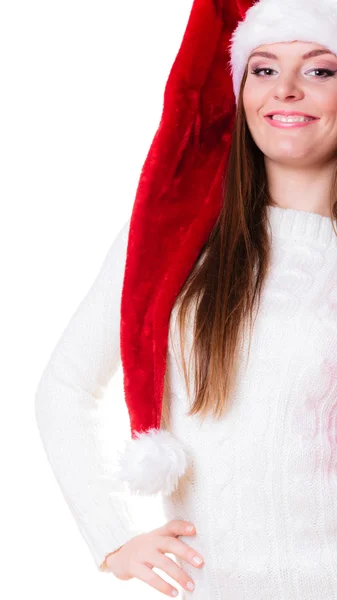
(301, 226)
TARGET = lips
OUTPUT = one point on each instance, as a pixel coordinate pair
(285, 113)
(290, 124)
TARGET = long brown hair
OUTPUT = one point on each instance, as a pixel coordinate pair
(228, 280)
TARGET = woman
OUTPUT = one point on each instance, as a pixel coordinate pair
(243, 444)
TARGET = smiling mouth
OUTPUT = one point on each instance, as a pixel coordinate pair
(290, 124)
(291, 118)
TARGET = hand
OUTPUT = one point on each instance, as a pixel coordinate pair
(138, 556)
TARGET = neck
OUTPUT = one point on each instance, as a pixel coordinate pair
(303, 189)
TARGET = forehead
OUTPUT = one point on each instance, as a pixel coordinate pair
(292, 49)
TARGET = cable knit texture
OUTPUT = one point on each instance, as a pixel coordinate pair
(261, 488)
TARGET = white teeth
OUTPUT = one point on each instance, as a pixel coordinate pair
(292, 119)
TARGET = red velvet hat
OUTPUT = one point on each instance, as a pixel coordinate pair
(178, 201)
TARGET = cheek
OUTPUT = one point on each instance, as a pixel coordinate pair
(246, 98)
(324, 104)
(323, 97)
(252, 101)
(328, 104)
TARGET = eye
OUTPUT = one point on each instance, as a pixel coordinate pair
(257, 71)
(328, 71)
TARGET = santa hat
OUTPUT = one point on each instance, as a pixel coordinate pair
(178, 202)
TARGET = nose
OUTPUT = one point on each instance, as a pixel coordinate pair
(287, 88)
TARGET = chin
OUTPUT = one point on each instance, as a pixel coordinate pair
(289, 151)
(292, 159)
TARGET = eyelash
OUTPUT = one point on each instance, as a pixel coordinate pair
(257, 70)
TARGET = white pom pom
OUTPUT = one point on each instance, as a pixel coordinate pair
(153, 462)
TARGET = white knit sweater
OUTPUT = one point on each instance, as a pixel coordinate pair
(262, 491)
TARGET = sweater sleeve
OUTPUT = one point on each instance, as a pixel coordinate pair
(67, 410)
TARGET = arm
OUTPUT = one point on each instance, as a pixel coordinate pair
(83, 362)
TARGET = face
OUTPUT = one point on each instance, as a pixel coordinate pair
(291, 82)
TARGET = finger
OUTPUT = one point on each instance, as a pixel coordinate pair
(177, 527)
(151, 578)
(166, 564)
(175, 546)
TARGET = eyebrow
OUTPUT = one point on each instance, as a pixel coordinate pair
(310, 54)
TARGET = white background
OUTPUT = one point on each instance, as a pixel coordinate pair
(82, 87)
